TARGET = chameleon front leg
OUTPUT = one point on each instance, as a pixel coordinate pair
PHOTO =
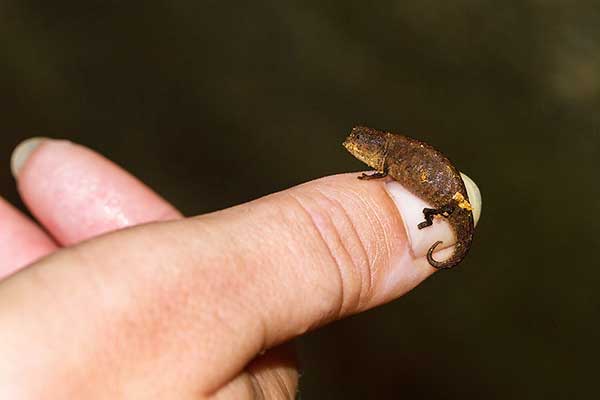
(429, 213)
(374, 175)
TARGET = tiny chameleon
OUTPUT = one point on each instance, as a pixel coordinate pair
(426, 173)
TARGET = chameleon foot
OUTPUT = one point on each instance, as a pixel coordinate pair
(429, 213)
(374, 175)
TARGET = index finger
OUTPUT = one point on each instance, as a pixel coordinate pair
(76, 194)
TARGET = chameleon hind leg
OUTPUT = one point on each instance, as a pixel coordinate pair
(429, 213)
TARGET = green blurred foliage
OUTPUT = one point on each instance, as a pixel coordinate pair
(215, 103)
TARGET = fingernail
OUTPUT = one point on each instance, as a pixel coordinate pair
(474, 196)
(411, 208)
(23, 152)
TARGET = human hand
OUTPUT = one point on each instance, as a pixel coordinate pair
(196, 308)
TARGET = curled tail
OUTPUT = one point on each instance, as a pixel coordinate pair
(456, 257)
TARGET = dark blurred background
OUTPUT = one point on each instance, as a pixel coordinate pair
(215, 103)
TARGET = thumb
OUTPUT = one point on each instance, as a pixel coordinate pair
(208, 294)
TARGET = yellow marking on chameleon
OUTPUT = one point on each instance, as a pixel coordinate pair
(462, 202)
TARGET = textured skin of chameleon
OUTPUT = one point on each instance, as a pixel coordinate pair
(426, 173)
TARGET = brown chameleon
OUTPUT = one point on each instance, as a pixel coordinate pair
(426, 173)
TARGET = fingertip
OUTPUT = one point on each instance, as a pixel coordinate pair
(411, 209)
(23, 152)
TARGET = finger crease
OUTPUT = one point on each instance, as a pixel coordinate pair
(340, 306)
(370, 262)
(357, 263)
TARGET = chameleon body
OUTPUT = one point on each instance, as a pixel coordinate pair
(426, 173)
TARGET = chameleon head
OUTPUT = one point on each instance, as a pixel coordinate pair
(368, 145)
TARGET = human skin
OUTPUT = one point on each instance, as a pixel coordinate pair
(119, 296)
